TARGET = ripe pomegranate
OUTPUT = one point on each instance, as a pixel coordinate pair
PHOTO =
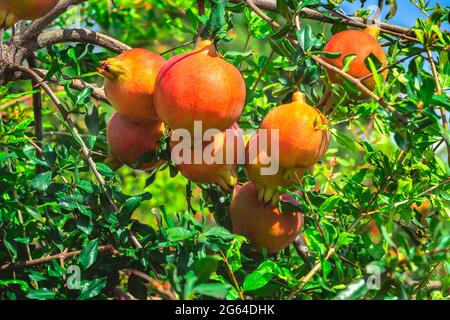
(28, 9)
(130, 82)
(199, 86)
(268, 184)
(129, 141)
(361, 43)
(265, 226)
(224, 173)
(303, 137)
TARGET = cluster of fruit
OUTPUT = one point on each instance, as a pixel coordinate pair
(12, 11)
(148, 92)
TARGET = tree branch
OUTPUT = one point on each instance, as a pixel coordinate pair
(40, 24)
(83, 36)
(97, 93)
(36, 262)
(356, 22)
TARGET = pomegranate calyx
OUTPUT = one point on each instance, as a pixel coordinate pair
(208, 46)
(111, 69)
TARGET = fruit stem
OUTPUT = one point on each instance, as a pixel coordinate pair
(374, 31)
(207, 45)
(298, 96)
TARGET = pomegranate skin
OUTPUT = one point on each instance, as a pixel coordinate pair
(265, 226)
(28, 9)
(130, 82)
(361, 43)
(303, 139)
(199, 86)
(129, 141)
(223, 174)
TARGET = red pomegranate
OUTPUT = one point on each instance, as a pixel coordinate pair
(130, 82)
(199, 86)
(265, 226)
(361, 43)
(130, 141)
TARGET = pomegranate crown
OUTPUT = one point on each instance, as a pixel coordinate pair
(111, 68)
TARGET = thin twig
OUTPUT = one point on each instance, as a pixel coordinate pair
(37, 112)
(232, 275)
(356, 22)
(36, 262)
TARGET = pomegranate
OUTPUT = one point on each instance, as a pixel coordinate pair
(199, 86)
(130, 82)
(361, 43)
(28, 9)
(222, 172)
(129, 141)
(265, 226)
(303, 136)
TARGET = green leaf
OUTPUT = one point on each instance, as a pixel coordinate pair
(344, 140)
(344, 239)
(215, 290)
(330, 203)
(205, 267)
(88, 254)
(355, 290)
(219, 232)
(306, 38)
(392, 9)
(35, 214)
(178, 234)
(261, 276)
(41, 294)
(128, 208)
(91, 289)
(105, 170)
(42, 181)
(348, 60)
(217, 18)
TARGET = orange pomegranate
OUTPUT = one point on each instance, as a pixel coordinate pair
(265, 226)
(130, 141)
(28, 9)
(361, 43)
(302, 131)
(224, 146)
(199, 86)
(130, 82)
